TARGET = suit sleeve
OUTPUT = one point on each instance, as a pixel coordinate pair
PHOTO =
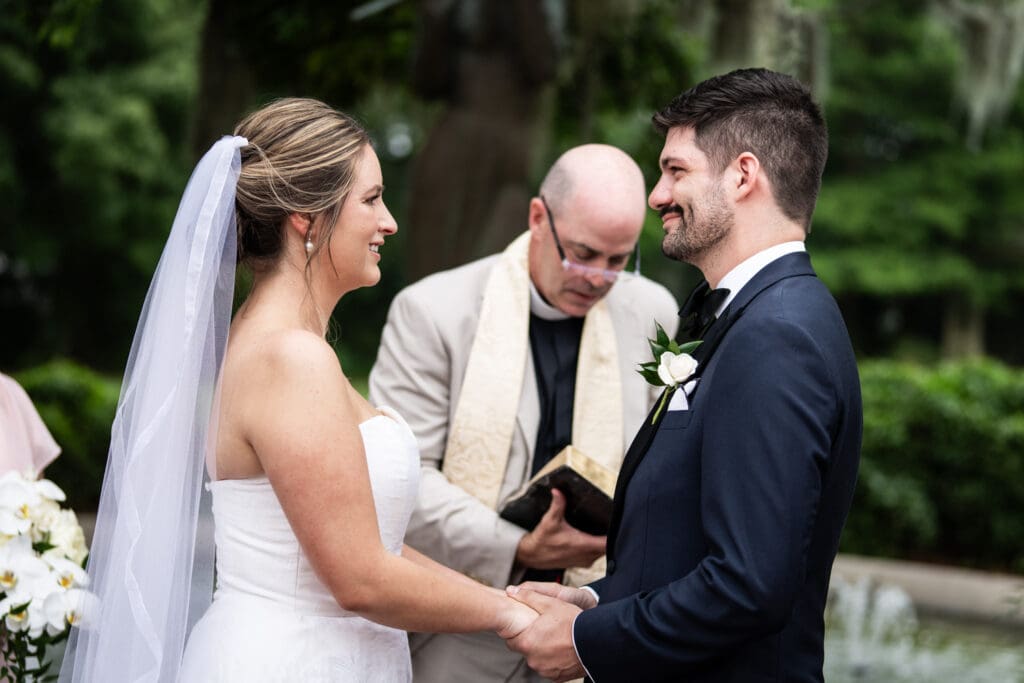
(412, 373)
(769, 412)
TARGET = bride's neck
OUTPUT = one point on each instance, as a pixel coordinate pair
(289, 296)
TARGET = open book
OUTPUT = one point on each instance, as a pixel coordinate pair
(588, 486)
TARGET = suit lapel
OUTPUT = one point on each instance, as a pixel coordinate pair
(644, 437)
(790, 265)
(641, 442)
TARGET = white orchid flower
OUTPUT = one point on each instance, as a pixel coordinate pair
(12, 523)
(16, 481)
(48, 490)
(67, 537)
(55, 610)
(43, 517)
(37, 623)
(66, 574)
(23, 612)
(21, 570)
(17, 499)
(74, 607)
(15, 621)
(30, 606)
(42, 548)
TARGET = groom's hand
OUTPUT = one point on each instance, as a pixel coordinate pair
(584, 599)
(547, 642)
(555, 544)
(515, 618)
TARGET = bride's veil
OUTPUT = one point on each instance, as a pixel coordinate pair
(142, 559)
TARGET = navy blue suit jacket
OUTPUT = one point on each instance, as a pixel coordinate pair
(727, 515)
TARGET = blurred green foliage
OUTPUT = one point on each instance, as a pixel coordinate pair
(911, 217)
(77, 405)
(101, 95)
(942, 464)
(906, 207)
(92, 161)
(96, 143)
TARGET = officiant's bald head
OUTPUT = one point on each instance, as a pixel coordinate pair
(584, 225)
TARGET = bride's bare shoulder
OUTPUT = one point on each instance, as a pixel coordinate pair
(285, 352)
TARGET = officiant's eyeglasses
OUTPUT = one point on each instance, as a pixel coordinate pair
(569, 266)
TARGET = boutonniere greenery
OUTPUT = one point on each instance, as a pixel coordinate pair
(672, 365)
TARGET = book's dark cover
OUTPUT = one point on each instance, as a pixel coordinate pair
(587, 507)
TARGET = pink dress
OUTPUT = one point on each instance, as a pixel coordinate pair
(25, 442)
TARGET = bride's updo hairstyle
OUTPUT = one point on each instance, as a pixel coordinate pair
(301, 158)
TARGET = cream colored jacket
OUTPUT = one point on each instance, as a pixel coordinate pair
(419, 372)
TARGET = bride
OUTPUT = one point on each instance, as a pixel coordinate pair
(312, 486)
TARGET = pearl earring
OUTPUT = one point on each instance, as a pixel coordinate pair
(309, 246)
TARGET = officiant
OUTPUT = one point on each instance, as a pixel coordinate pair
(499, 364)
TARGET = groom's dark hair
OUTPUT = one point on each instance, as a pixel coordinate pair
(768, 114)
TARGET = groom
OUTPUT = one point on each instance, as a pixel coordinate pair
(729, 506)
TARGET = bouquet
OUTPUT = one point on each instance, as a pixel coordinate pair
(42, 580)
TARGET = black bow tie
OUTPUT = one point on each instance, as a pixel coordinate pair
(699, 311)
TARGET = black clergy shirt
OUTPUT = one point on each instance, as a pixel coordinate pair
(555, 347)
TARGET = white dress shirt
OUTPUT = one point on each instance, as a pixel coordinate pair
(735, 280)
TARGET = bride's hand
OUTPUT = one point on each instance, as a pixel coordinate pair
(514, 618)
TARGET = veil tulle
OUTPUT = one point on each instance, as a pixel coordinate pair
(143, 549)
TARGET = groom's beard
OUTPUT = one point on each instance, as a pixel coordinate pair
(703, 224)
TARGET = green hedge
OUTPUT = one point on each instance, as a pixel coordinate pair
(941, 478)
(78, 406)
(942, 468)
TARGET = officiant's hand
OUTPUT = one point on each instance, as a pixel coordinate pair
(555, 544)
(547, 642)
(574, 596)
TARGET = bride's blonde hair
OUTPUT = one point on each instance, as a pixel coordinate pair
(301, 158)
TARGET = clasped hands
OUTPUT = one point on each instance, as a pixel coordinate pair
(546, 640)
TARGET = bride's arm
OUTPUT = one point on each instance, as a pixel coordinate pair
(419, 558)
(303, 424)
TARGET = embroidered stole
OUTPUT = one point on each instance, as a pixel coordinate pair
(480, 436)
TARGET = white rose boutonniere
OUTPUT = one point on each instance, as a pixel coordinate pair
(676, 368)
(671, 367)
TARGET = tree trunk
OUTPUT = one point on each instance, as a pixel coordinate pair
(963, 330)
(492, 63)
(772, 34)
(226, 82)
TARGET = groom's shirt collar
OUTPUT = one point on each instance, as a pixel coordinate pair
(737, 278)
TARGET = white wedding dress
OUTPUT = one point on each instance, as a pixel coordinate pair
(272, 619)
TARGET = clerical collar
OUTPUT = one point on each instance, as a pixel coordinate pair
(739, 276)
(542, 309)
